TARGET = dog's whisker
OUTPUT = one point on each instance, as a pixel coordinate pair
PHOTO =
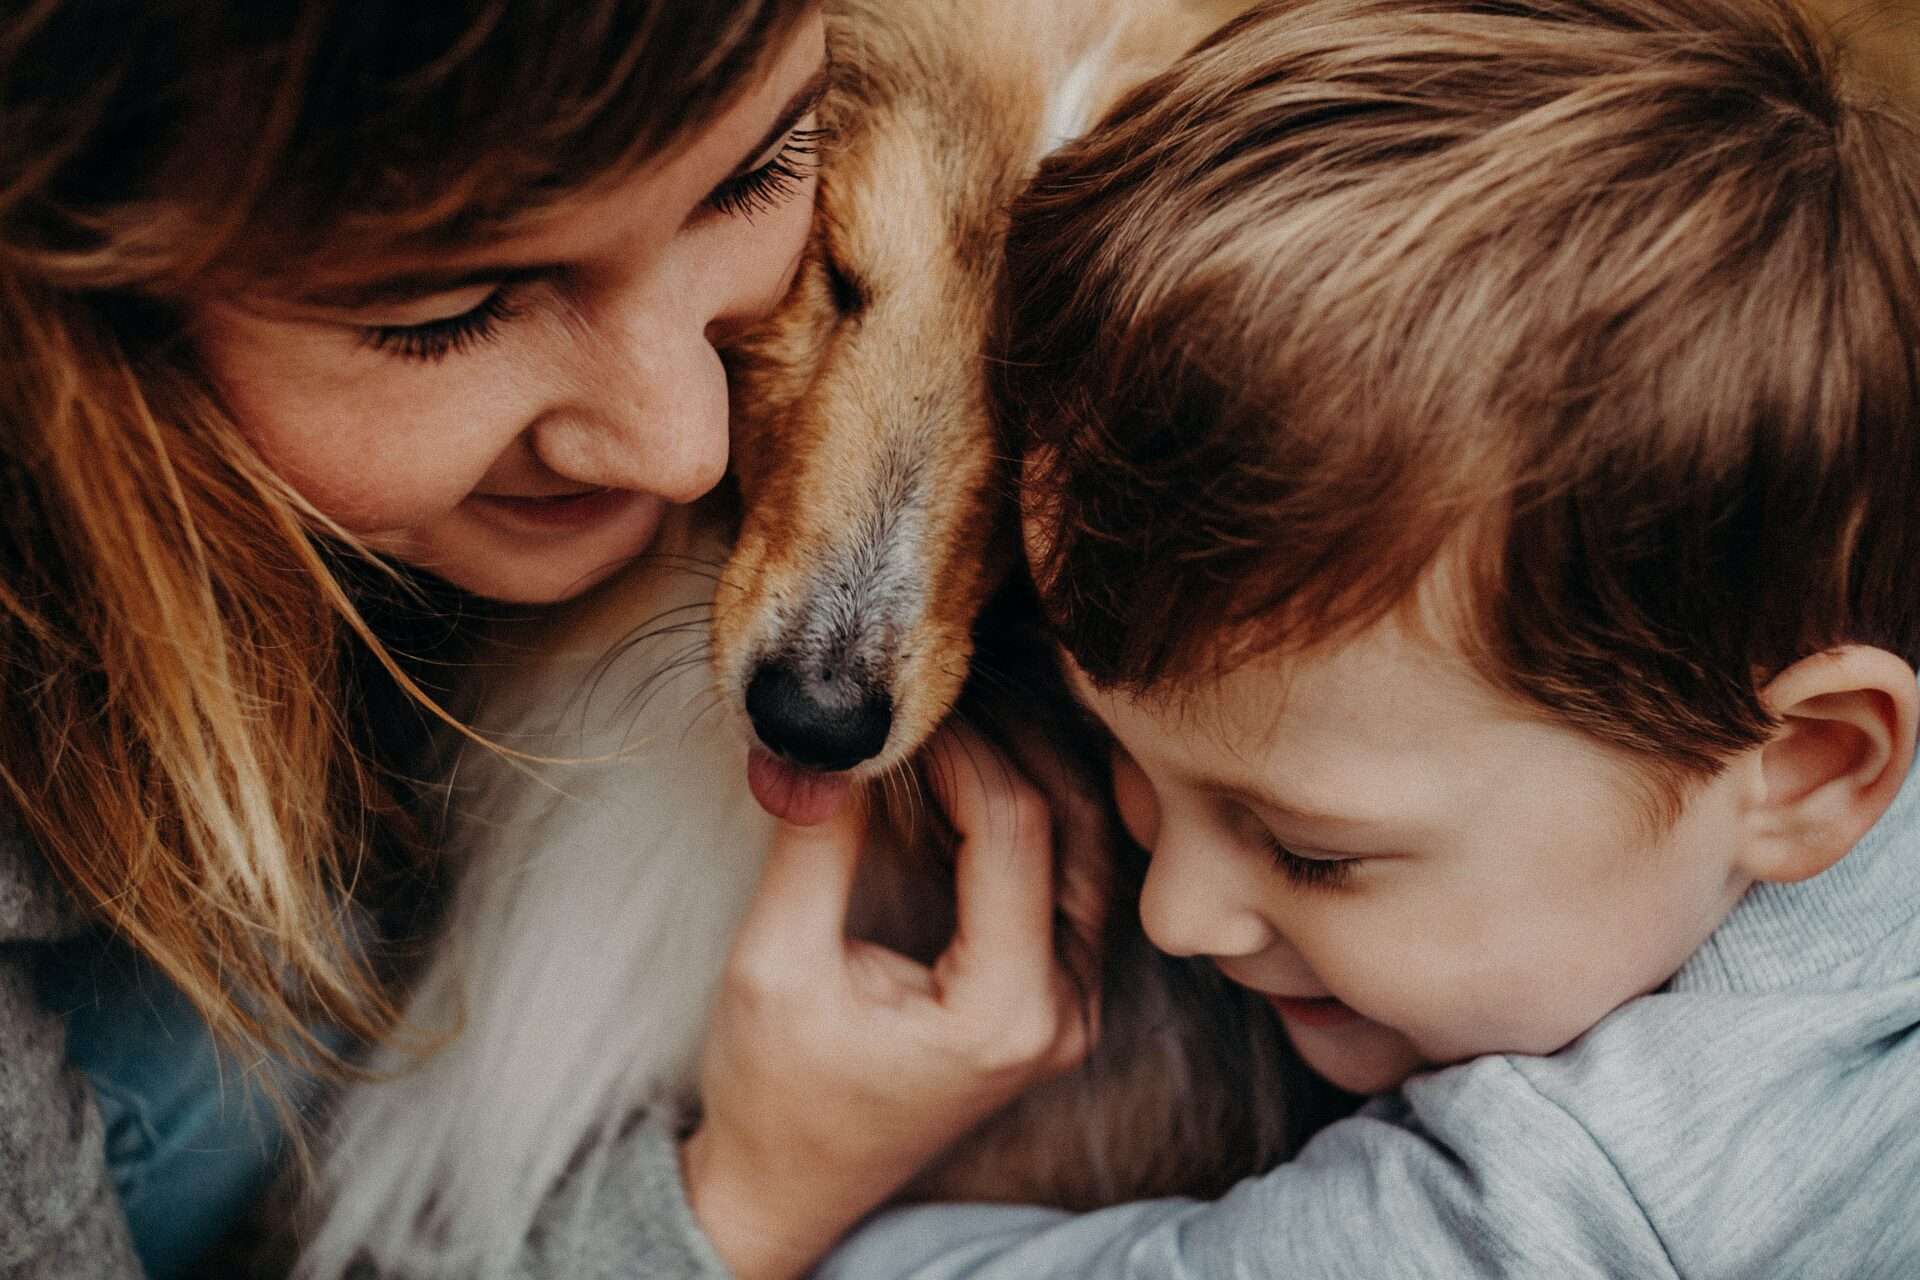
(633, 704)
(715, 701)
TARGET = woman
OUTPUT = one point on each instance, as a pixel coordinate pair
(284, 287)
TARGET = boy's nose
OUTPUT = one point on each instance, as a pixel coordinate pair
(1193, 904)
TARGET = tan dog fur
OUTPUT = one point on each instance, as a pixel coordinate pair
(866, 438)
(865, 431)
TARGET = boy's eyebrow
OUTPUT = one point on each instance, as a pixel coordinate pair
(1260, 798)
(1305, 815)
(1214, 783)
(411, 286)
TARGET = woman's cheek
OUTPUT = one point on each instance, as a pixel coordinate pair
(751, 265)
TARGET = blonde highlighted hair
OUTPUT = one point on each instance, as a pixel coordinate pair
(178, 726)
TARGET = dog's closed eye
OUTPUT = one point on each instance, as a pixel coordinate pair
(849, 295)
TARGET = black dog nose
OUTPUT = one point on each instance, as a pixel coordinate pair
(828, 725)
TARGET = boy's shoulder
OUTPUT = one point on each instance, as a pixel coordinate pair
(1720, 1099)
(1701, 1120)
(1779, 1058)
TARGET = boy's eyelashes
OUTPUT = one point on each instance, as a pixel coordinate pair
(1315, 872)
(764, 187)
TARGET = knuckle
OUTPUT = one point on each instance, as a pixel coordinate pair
(756, 977)
(1016, 1045)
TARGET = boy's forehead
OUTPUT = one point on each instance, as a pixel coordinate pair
(1382, 692)
(1191, 709)
(1386, 735)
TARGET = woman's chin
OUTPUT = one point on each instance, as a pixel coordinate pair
(517, 555)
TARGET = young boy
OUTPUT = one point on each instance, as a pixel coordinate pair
(1474, 449)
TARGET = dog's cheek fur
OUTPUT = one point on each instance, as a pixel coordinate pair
(865, 449)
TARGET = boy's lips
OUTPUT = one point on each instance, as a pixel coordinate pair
(1307, 1011)
(1318, 1011)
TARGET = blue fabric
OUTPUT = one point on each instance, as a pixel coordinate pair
(191, 1141)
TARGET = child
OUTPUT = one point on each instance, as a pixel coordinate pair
(1473, 455)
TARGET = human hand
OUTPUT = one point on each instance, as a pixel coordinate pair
(836, 1068)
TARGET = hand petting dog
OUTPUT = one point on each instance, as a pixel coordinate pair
(835, 1068)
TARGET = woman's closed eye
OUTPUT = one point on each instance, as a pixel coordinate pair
(757, 190)
(772, 182)
(434, 340)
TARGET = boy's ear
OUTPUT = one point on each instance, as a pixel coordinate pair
(1841, 752)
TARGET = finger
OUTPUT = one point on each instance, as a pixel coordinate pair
(1003, 877)
(799, 910)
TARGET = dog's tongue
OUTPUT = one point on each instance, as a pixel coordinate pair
(794, 795)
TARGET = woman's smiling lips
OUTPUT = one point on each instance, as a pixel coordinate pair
(554, 513)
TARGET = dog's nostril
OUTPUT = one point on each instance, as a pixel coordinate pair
(817, 724)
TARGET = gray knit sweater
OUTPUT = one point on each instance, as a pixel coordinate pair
(61, 1220)
(59, 1217)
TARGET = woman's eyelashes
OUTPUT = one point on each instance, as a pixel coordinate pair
(1318, 872)
(771, 184)
(435, 340)
(758, 190)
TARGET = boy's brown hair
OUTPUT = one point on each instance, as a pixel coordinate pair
(1609, 309)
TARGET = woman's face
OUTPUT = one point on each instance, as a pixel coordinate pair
(515, 419)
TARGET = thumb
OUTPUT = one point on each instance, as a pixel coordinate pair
(800, 908)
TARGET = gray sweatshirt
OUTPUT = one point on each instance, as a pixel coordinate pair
(1757, 1117)
(59, 1217)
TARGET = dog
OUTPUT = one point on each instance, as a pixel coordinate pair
(802, 634)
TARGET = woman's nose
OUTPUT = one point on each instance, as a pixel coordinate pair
(1196, 903)
(652, 403)
(649, 413)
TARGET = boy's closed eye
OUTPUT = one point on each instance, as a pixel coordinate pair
(1311, 870)
(1138, 807)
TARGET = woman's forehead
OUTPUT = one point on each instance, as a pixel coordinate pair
(388, 151)
(646, 201)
